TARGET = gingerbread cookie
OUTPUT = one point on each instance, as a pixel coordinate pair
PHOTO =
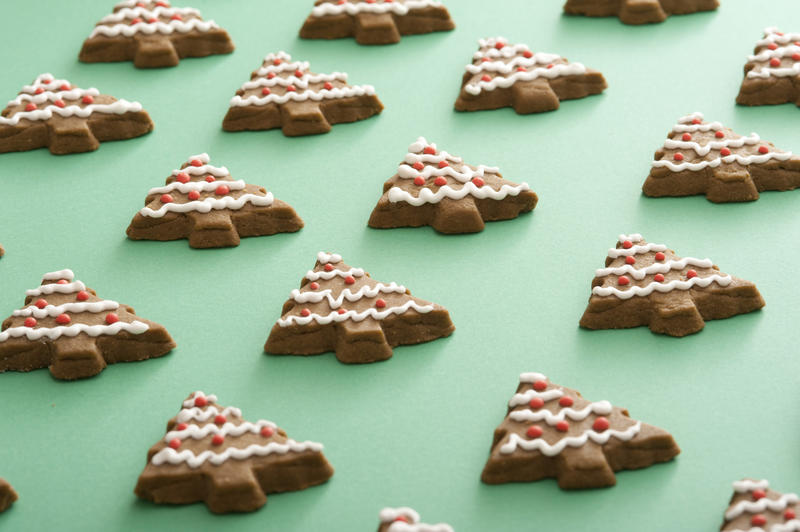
(340, 308)
(772, 73)
(756, 508)
(2, 251)
(708, 158)
(7, 495)
(553, 432)
(375, 22)
(66, 327)
(211, 454)
(407, 520)
(153, 34)
(206, 205)
(511, 75)
(638, 11)
(55, 114)
(432, 187)
(647, 284)
(285, 94)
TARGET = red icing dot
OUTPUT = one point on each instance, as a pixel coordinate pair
(658, 277)
(550, 65)
(566, 401)
(31, 107)
(218, 439)
(341, 311)
(182, 177)
(47, 81)
(328, 85)
(527, 53)
(222, 190)
(39, 90)
(758, 494)
(30, 322)
(534, 431)
(443, 164)
(486, 77)
(719, 134)
(176, 17)
(152, 20)
(64, 87)
(111, 318)
(220, 419)
(440, 181)
(271, 75)
(200, 401)
(329, 267)
(536, 402)
(166, 198)
(660, 256)
(175, 443)
(772, 46)
(196, 162)
(291, 88)
(349, 280)
(678, 156)
(62, 281)
(380, 303)
(562, 426)
(600, 424)
(419, 180)
(135, 21)
(540, 386)
(758, 520)
(478, 182)
(763, 149)
(305, 313)
(314, 285)
(298, 73)
(402, 519)
(265, 91)
(795, 57)
(210, 178)
(686, 137)
(690, 274)
(267, 432)
(630, 260)
(789, 514)
(485, 59)
(622, 281)
(499, 45)
(627, 244)
(194, 195)
(276, 62)
(418, 166)
(697, 121)
(83, 295)
(774, 62)
(182, 426)
(522, 69)
(41, 303)
(725, 152)
(429, 150)
(63, 319)
(59, 103)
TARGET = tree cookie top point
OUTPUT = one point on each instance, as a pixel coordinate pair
(406, 519)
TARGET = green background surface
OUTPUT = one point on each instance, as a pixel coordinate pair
(414, 430)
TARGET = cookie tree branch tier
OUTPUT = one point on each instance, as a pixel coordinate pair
(206, 205)
(212, 454)
(511, 75)
(756, 508)
(432, 187)
(707, 158)
(55, 114)
(553, 432)
(375, 21)
(340, 308)
(7, 495)
(772, 73)
(285, 94)
(65, 326)
(407, 520)
(638, 11)
(153, 34)
(647, 284)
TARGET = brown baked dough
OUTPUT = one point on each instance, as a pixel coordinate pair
(638, 11)
(772, 73)
(7, 495)
(755, 507)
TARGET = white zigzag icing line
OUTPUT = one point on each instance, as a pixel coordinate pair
(135, 327)
(53, 310)
(47, 289)
(426, 195)
(199, 186)
(332, 258)
(743, 486)
(400, 526)
(658, 267)
(702, 282)
(60, 274)
(396, 7)
(145, 13)
(336, 302)
(149, 28)
(119, 107)
(602, 408)
(211, 398)
(755, 507)
(601, 438)
(193, 413)
(323, 94)
(301, 83)
(325, 276)
(635, 250)
(355, 316)
(207, 204)
(197, 432)
(507, 68)
(171, 456)
(388, 515)
(53, 96)
(525, 397)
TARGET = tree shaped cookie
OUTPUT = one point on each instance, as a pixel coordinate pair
(756, 508)
(647, 284)
(66, 327)
(375, 21)
(7, 495)
(432, 187)
(285, 94)
(211, 454)
(407, 520)
(153, 34)
(206, 205)
(638, 11)
(342, 309)
(511, 75)
(772, 73)
(55, 114)
(553, 432)
(707, 158)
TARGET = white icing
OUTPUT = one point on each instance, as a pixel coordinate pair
(149, 28)
(199, 186)
(789, 526)
(400, 526)
(658, 267)
(756, 507)
(525, 397)
(743, 486)
(531, 377)
(316, 96)
(53, 96)
(373, 313)
(53, 333)
(53, 310)
(67, 275)
(633, 238)
(672, 144)
(190, 402)
(426, 195)
(55, 288)
(283, 66)
(601, 438)
(336, 302)
(146, 14)
(203, 169)
(778, 53)
(602, 408)
(118, 107)
(45, 82)
(329, 258)
(388, 515)
(171, 456)
(300, 83)
(655, 286)
(635, 250)
(194, 413)
(397, 7)
(326, 276)
(197, 432)
(207, 204)
(772, 37)
(508, 67)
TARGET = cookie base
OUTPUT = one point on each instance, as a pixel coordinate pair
(768, 91)
(7, 495)
(637, 12)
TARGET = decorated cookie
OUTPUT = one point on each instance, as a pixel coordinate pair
(553, 432)
(66, 327)
(407, 520)
(432, 187)
(340, 308)
(211, 454)
(756, 508)
(153, 34)
(55, 114)
(285, 94)
(375, 21)
(7, 495)
(707, 158)
(511, 75)
(638, 11)
(206, 205)
(647, 284)
(772, 73)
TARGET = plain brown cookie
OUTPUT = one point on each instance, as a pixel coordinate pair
(553, 432)
(511, 75)
(648, 284)
(153, 34)
(7, 495)
(211, 454)
(2, 251)
(638, 11)
(708, 158)
(285, 94)
(755, 507)
(772, 73)
(342, 309)
(375, 22)
(53, 113)
(432, 187)
(66, 327)
(206, 205)
(406, 520)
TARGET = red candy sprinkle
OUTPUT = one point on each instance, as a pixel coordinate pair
(298, 73)
(758, 520)
(658, 277)
(267, 432)
(31, 107)
(39, 90)
(522, 69)
(678, 156)
(64, 87)
(220, 419)
(418, 166)
(314, 285)
(194, 195)
(686, 136)
(763, 149)
(622, 281)
(772, 46)
(536, 402)
(222, 190)
(183, 177)
(627, 244)
(528, 54)
(550, 65)
(329, 267)
(419, 180)
(200, 401)
(789, 514)
(724, 152)
(660, 256)
(276, 62)
(600, 424)
(697, 121)
(566, 401)
(534, 431)
(59, 103)
(401, 518)
(440, 181)
(83, 295)
(499, 45)
(443, 164)
(111, 318)
(305, 313)
(41, 303)
(62, 281)
(380, 303)
(630, 260)
(218, 439)
(485, 59)
(63, 319)
(30, 322)
(47, 81)
(265, 91)
(429, 150)
(166, 198)
(540, 386)
(758, 494)
(774, 62)
(135, 21)
(486, 77)
(271, 75)
(175, 443)
(328, 85)
(341, 311)
(210, 178)
(349, 280)
(690, 274)
(88, 99)
(176, 17)
(719, 134)
(562, 426)
(152, 20)
(795, 57)
(196, 162)
(478, 182)
(291, 88)
(181, 426)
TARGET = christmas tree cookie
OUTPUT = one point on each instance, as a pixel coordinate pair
(406, 520)
(647, 284)
(432, 187)
(206, 205)
(772, 73)
(55, 114)
(340, 308)
(638, 11)
(66, 327)
(7, 495)
(707, 158)
(553, 432)
(756, 508)
(511, 75)
(211, 454)
(375, 21)
(153, 34)
(285, 94)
